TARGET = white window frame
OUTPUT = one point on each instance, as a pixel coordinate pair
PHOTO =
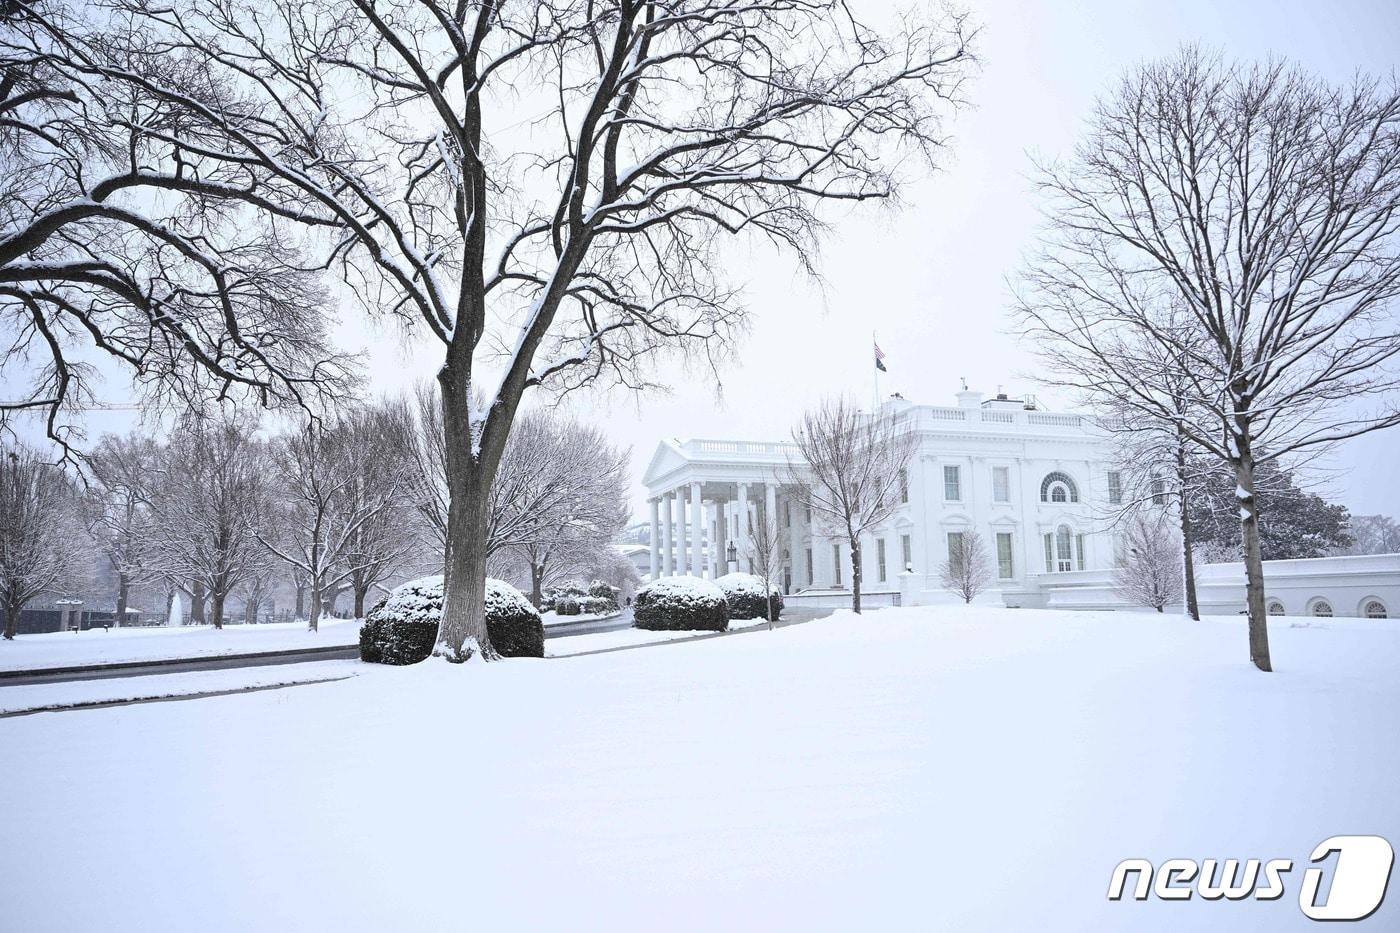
(1006, 565)
(955, 471)
(880, 558)
(1001, 484)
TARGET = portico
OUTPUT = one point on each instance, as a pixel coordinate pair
(708, 497)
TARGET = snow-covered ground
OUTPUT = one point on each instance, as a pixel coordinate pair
(942, 768)
(95, 646)
(30, 697)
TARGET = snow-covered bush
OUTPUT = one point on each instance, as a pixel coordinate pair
(681, 603)
(597, 605)
(403, 627)
(744, 592)
(603, 591)
(567, 605)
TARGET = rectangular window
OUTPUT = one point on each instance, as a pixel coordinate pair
(955, 551)
(952, 484)
(1079, 551)
(1005, 570)
(904, 485)
(1049, 553)
(836, 563)
(1115, 488)
(1159, 491)
(810, 581)
(880, 558)
(906, 550)
(1001, 484)
(809, 515)
(787, 513)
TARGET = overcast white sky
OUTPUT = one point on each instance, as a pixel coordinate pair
(931, 278)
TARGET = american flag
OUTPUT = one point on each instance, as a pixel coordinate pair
(880, 359)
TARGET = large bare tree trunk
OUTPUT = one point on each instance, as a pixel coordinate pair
(13, 608)
(313, 622)
(217, 608)
(360, 592)
(1253, 559)
(123, 591)
(536, 584)
(855, 575)
(197, 603)
(462, 631)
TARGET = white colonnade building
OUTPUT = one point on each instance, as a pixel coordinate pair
(1030, 481)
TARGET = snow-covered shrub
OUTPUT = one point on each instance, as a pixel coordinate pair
(597, 605)
(744, 592)
(571, 588)
(403, 627)
(568, 605)
(603, 591)
(680, 603)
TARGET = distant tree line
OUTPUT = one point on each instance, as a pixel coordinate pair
(229, 510)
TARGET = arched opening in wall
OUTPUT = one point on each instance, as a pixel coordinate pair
(1058, 487)
(1373, 609)
(1274, 607)
(1322, 609)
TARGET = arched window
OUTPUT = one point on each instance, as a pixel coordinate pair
(1374, 609)
(1275, 608)
(1058, 487)
(1322, 608)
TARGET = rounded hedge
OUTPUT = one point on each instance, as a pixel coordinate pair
(402, 629)
(744, 593)
(680, 603)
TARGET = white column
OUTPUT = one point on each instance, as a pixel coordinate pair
(742, 531)
(655, 538)
(682, 551)
(697, 529)
(667, 555)
(796, 556)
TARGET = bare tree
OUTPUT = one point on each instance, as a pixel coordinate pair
(375, 505)
(766, 550)
(41, 538)
(213, 493)
(1240, 223)
(117, 507)
(1374, 534)
(568, 251)
(325, 504)
(968, 569)
(1146, 570)
(105, 251)
(851, 472)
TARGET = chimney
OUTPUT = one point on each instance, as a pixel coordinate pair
(969, 398)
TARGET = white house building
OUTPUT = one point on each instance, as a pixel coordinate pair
(1039, 486)
(1030, 481)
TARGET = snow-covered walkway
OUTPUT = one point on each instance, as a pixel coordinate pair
(949, 768)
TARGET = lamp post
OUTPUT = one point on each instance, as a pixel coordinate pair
(732, 557)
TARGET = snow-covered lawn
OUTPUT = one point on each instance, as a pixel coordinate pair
(95, 646)
(943, 768)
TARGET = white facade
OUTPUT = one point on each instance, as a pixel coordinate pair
(1359, 586)
(1032, 482)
